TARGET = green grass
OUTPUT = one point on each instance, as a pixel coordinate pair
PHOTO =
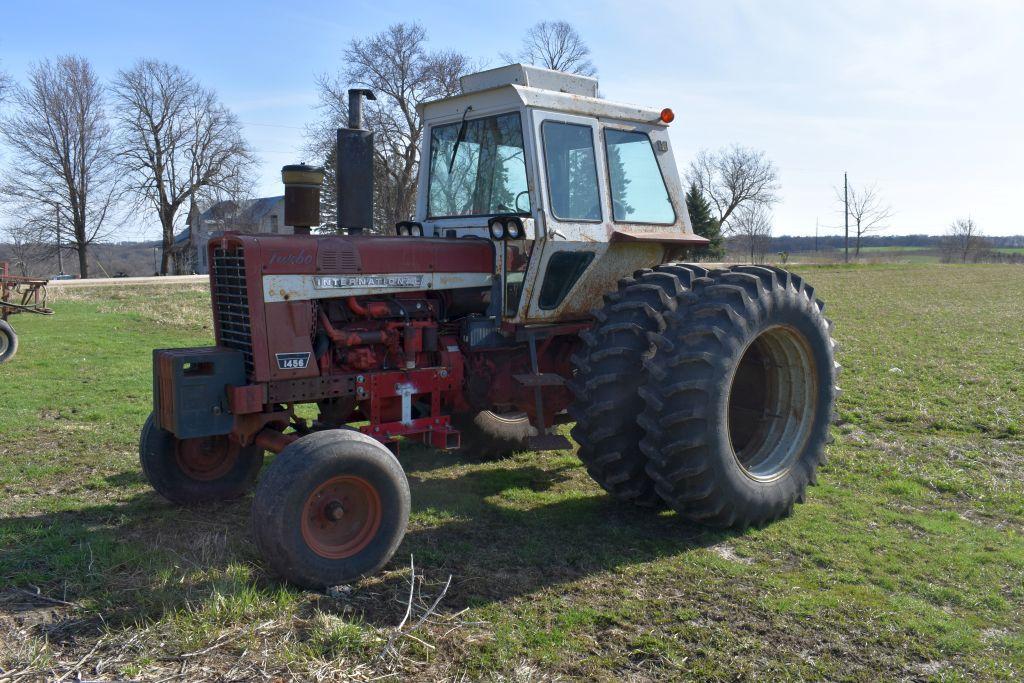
(906, 561)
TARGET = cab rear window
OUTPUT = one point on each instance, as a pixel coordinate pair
(638, 189)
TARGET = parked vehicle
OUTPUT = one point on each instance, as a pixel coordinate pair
(474, 327)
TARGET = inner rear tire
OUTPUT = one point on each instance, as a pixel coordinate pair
(609, 370)
(195, 471)
(331, 508)
(740, 398)
(8, 341)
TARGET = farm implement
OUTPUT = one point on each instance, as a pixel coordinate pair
(537, 285)
(18, 295)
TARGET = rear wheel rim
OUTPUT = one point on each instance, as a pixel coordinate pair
(341, 516)
(5, 342)
(206, 459)
(773, 398)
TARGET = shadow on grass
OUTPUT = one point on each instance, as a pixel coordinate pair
(502, 530)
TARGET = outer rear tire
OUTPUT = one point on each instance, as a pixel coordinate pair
(195, 471)
(609, 370)
(740, 398)
(492, 436)
(332, 507)
(8, 341)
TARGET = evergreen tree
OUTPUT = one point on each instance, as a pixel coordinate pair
(705, 225)
(329, 194)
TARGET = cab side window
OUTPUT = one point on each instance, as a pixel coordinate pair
(572, 171)
(637, 186)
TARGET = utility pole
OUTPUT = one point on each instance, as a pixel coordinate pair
(846, 214)
(60, 256)
(815, 234)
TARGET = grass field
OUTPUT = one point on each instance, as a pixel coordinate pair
(870, 255)
(906, 562)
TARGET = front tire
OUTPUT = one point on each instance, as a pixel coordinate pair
(331, 508)
(740, 398)
(195, 471)
(8, 341)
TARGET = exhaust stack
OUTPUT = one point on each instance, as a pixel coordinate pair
(354, 159)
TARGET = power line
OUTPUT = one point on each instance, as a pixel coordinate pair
(271, 125)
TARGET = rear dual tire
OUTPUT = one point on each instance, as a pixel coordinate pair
(713, 396)
(739, 399)
(608, 373)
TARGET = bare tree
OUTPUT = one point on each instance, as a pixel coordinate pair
(177, 142)
(734, 177)
(963, 241)
(5, 85)
(23, 247)
(555, 45)
(396, 65)
(752, 230)
(65, 183)
(868, 212)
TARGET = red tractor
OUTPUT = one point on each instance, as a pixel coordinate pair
(475, 328)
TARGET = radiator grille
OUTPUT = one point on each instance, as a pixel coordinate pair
(231, 301)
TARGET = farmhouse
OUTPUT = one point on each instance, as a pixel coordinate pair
(262, 215)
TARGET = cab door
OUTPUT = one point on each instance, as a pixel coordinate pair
(571, 183)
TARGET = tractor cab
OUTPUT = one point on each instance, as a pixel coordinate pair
(573, 189)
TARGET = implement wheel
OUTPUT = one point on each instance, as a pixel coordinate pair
(332, 507)
(8, 341)
(740, 398)
(192, 471)
(492, 436)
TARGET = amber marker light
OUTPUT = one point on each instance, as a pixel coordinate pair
(667, 115)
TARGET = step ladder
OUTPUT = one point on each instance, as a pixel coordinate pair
(543, 440)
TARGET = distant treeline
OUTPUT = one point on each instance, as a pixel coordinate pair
(105, 260)
(800, 243)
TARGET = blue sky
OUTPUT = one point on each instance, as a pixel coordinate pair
(926, 99)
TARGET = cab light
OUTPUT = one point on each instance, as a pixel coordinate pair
(667, 115)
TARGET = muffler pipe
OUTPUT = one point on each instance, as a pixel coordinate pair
(355, 106)
(354, 175)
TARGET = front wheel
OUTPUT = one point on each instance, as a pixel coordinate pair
(8, 341)
(740, 398)
(332, 507)
(193, 471)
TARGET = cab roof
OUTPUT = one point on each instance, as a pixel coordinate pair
(523, 85)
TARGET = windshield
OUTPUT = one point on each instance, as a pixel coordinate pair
(480, 172)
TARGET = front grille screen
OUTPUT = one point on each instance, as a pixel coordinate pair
(231, 302)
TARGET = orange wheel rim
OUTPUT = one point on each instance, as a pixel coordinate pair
(341, 517)
(206, 459)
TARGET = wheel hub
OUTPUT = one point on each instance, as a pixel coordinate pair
(772, 403)
(206, 459)
(341, 517)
